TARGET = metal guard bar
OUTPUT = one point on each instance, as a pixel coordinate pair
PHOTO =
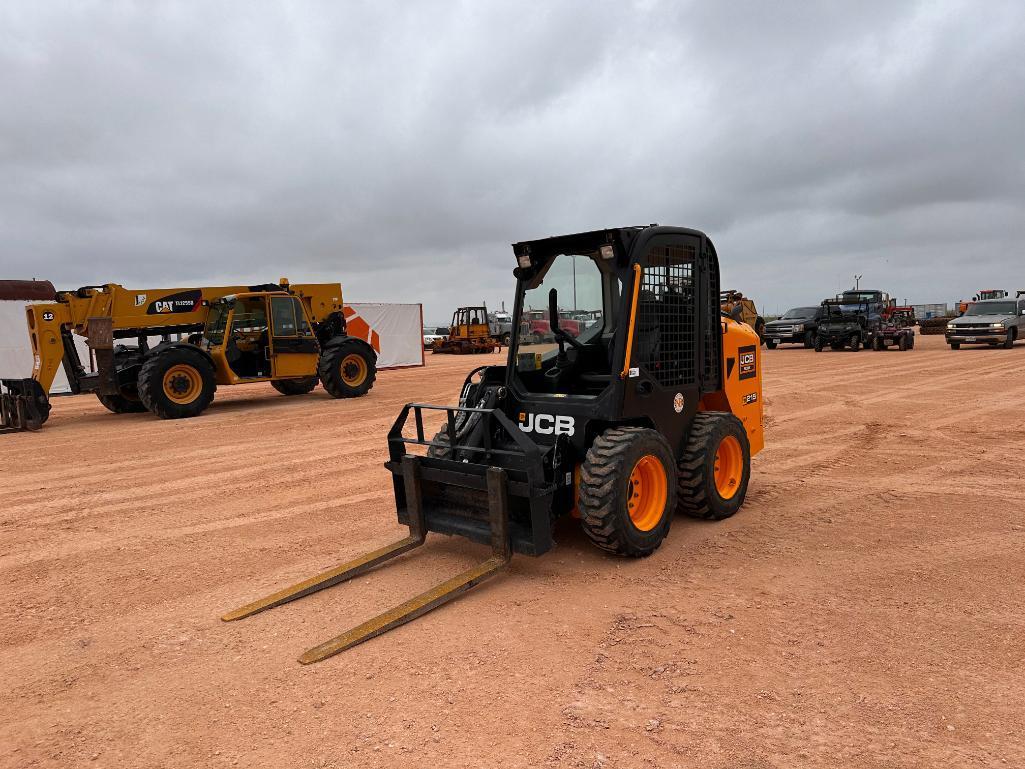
(397, 441)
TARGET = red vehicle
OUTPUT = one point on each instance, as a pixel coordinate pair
(896, 327)
(536, 324)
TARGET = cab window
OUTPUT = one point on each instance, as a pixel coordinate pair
(303, 325)
(283, 316)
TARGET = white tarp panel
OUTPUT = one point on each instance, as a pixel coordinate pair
(394, 330)
(16, 347)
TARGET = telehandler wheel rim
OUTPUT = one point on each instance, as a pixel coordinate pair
(647, 494)
(353, 370)
(182, 383)
(729, 467)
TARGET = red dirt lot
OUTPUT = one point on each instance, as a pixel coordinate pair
(865, 608)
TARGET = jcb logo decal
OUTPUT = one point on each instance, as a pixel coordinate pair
(547, 424)
(748, 362)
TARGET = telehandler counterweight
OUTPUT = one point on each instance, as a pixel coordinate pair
(292, 336)
(655, 408)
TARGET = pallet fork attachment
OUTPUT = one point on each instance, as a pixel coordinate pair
(498, 513)
(23, 406)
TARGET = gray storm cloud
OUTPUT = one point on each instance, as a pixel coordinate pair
(400, 147)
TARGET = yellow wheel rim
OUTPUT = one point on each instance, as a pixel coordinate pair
(729, 467)
(182, 383)
(354, 370)
(647, 493)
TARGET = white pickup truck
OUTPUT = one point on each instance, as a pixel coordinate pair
(989, 321)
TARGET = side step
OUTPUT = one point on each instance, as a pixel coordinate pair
(415, 607)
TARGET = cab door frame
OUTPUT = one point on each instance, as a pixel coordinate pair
(219, 350)
(294, 350)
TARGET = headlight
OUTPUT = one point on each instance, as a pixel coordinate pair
(996, 325)
(799, 327)
(951, 327)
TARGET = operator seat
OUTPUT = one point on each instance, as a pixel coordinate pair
(646, 338)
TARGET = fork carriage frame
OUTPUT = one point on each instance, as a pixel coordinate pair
(528, 493)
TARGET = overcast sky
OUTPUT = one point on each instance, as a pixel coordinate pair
(400, 147)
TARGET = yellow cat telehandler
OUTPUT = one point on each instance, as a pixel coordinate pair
(654, 409)
(289, 335)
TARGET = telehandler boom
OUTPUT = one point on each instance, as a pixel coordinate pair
(653, 410)
(289, 335)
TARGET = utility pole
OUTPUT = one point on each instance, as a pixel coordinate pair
(574, 282)
(857, 282)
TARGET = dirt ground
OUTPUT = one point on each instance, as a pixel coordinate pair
(865, 608)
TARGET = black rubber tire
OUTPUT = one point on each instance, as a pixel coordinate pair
(445, 450)
(810, 338)
(877, 344)
(770, 344)
(698, 496)
(605, 485)
(151, 378)
(911, 341)
(955, 345)
(760, 330)
(819, 344)
(506, 339)
(855, 342)
(330, 369)
(1011, 336)
(119, 404)
(295, 386)
(902, 343)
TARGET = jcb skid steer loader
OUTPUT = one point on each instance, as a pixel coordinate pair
(655, 408)
(292, 336)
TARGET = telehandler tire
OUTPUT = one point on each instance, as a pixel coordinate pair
(347, 370)
(715, 467)
(628, 491)
(295, 386)
(176, 383)
(119, 404)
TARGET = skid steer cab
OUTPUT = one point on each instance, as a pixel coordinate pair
(290, 336)
(653, 409)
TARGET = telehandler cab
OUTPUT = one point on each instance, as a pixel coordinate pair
(657, 408)
(290, 336)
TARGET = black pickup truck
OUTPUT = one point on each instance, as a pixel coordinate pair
(796, 326)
